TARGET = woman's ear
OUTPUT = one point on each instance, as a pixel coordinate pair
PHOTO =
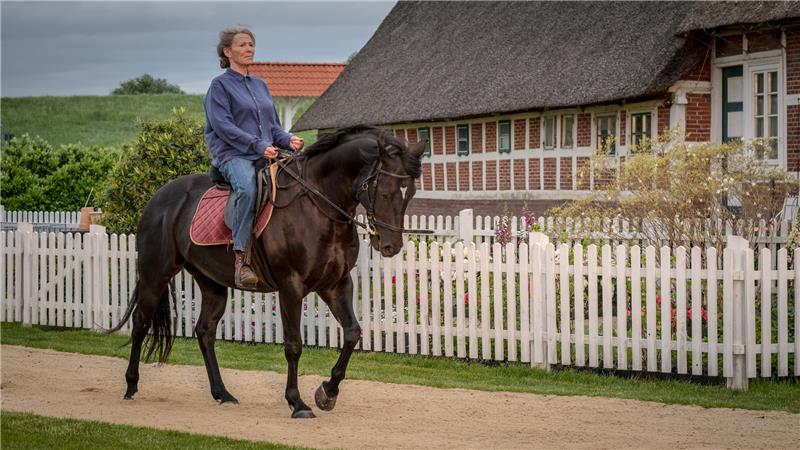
(227, 52)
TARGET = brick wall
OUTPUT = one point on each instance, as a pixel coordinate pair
(438, 148)
(505, 175)
(400, 133)
(701, 52)
(793, 87)
(438, 171)
(763, 41)
(491, 136)
(427, 178)
(698, 118)
(463, 176)
(566, 173)
(622, 117)
(411, 134)
(519, 174)
(476, 140)
(534, 138)
(450, 140)
(663, 119)
(491, 175)
(451, 176)
(582, 175)
(519, 134)
(550, 173)
(584, 130)
(729, 45)
(534, 174)
(477, 175)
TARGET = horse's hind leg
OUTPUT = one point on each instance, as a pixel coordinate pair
(339, 300)
(148, 297)
(215, 299)
(291, 307)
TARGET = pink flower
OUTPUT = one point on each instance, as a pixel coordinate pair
(394, 279)
(658, 300)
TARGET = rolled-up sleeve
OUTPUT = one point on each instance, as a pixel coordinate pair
(280, 137)
(220, 117)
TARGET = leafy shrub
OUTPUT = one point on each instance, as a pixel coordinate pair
(146, 84)
(36, 176)
(164, 151)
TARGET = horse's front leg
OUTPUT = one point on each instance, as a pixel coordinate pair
(291, 308)
(340, 301)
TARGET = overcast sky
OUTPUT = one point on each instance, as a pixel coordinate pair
(88, 48)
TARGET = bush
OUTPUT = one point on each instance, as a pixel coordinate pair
(146, 84)
(36, 176)
(163, 151)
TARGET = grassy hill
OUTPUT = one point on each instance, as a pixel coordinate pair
(95, 120)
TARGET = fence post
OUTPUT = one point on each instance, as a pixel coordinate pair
(98, 269)
(466, 225)
(23, 241)
(538, 307)
(738, 246)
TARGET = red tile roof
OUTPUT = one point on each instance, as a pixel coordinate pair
(297, 79)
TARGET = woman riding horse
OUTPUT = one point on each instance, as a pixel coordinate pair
(321, 189)
(242, 126)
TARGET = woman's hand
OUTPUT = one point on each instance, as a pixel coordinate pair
(270, 152)
(296, 143)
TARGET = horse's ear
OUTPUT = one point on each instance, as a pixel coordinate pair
(418, 148)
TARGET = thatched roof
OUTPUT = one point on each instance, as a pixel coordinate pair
(440, 60)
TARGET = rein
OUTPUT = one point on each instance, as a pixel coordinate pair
(369, 186)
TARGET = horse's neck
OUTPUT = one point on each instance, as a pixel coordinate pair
(334, 174)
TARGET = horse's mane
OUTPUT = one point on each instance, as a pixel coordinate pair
(327, 141)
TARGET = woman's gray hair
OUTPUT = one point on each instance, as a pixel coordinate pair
(226, 40)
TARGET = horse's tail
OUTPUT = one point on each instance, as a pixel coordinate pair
(160, 340)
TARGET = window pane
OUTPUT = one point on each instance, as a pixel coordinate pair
(760, 127)
(759, 83)
(425, 133)
(569, 123)
(647, 124)
(549, 131)
(734, 89)
(773, 126)
(773, 81)
(760, 105)
(773, 104)
(505, 135)
(734, 124)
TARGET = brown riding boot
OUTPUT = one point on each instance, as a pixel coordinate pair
(244, 275)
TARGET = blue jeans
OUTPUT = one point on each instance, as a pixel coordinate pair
(241, 174)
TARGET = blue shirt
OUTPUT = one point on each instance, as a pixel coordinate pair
(241, 119)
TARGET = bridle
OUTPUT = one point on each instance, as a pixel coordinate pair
(366, 195)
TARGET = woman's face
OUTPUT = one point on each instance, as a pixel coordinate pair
(241, 51)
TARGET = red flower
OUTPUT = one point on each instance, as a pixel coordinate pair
(417, 298)
(658, 300)
(394, 279)
(629, 313)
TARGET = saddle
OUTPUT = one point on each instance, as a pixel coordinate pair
(209, 224)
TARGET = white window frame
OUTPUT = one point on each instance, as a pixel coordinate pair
(755, 62)
(554, 118)
(596, 130)
(629, 125)
(574, 131)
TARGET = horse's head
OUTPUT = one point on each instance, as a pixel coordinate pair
(385, 189)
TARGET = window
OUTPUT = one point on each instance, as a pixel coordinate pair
(549, 132)
(765, 113)
(607, 134)
(504, 136)
(568, 128)
(640, 130)
(425, 133)
(462, 134)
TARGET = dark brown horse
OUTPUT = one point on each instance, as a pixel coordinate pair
(309, 246)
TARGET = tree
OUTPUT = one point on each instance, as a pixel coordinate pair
(146, 84)
(683, 193)
(163, 152)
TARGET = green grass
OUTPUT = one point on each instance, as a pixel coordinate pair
(111, 120)
(429, 371)
(30, 431)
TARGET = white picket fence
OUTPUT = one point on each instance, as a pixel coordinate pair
(66, 218)
(597, 307)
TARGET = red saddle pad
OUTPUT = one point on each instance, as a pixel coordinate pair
(208, 224)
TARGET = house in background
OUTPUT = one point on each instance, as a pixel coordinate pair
(295, 86)
(515, 97)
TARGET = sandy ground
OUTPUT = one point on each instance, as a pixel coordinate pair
(370, 414)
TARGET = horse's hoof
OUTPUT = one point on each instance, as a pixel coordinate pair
(324, 402)
(303, 414)
(127, 397)
(226, 398)
(129, 394)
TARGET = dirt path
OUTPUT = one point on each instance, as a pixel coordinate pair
(370, 414)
